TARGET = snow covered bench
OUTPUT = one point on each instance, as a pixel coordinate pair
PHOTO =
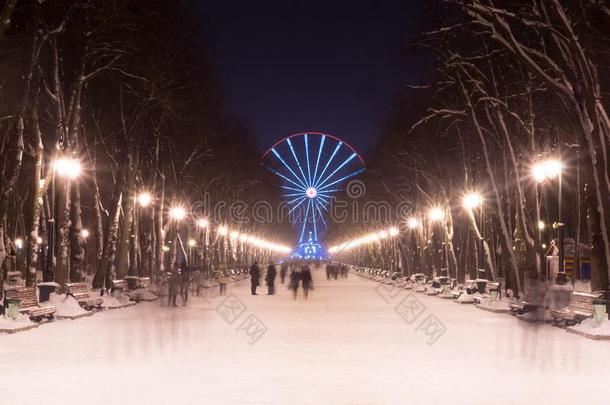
(579, 309)
(29, 303)
(80, 292)
(490, 286)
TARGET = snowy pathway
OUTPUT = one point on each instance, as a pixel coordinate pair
(345, 345)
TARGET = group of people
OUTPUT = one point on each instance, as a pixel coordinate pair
(334, 270)
(299, 276)
(179, 281)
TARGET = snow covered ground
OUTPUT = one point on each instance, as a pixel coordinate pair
(350, 343)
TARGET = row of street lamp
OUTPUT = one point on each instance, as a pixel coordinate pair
(541, 171)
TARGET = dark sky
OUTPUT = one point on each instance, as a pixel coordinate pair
(292, 66)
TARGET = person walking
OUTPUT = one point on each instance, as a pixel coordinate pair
(185, 282)
(283, 271)
(223, 280)
(306, 280)
(270, 279)
(327, 268)
(255, 275)
(174, 286)
(294, 282)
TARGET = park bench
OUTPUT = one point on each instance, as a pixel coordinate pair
(81, 293)
(580, 308)
(29, 303)
(491, 286)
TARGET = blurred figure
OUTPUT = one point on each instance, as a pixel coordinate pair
(223, 280)
(185, 282)
(174, 286)
(283, 271)
(294, 282)
(327, 268)
(306, 280)
(270, 279)
(255, 275)
(343, 271)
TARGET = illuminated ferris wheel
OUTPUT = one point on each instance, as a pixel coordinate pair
(312, 167)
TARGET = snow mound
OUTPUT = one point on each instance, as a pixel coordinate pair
(142, 295)
(8, 324)
(589, 327)
(66, 305)
(465, 299)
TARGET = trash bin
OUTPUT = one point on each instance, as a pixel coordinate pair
(481, 284)
(132, 282)
(13, 307)
(45, 290)
(117, 292)
(599, 311)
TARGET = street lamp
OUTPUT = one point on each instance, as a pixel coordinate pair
(144, 199)
(413, 223)
(223, 230)
(435, 214)
(84, 233)
(67, 167)
(178, 213)
(548, 170)
(202, 223)
(472, 201)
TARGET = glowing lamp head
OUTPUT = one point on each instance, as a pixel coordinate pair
(223, 230)
(435, 214)
(144, 199)
(547, 169)
(541, 225)
(311, 192)
(68, 168)
(19, 243)
(202, 223)
(413, 223)
(234, 234)
(393, 231)
(178, 213)
(165, 248)
(472, 200)
(84, 233)
(192, 243)
(39, 240)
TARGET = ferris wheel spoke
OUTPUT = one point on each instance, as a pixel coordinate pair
(315, 173)
(321, 215)
(293, 194)
(307, 157)
(305, 221)
(357, 172)
(292, 188)
(346, 161)
(328, 163)
(297, 206)
(313, 218)
(294, 155)
(277, 154)
(287, 179)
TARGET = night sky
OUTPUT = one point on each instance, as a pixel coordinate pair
(292, 66)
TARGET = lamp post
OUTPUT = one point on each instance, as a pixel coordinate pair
(69, 169)
(414, 225)
(436, 215)
(472, 201)
(177, 214)
(203, 225)
(549, 170)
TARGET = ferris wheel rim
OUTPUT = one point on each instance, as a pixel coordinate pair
(284, 139)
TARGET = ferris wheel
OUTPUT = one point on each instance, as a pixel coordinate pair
(311, 167)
